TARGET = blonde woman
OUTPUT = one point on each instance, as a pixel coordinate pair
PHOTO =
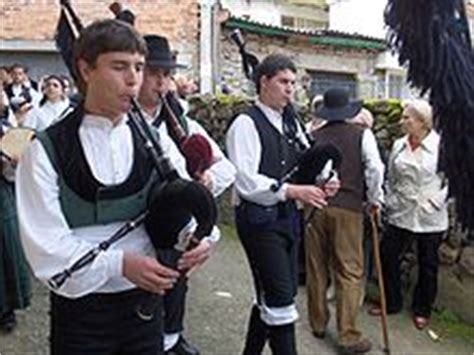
(416, 211)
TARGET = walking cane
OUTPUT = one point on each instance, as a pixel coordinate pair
(374, 218)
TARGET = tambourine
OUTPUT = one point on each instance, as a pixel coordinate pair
(15, 141)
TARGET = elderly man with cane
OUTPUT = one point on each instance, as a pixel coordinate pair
(334, 234)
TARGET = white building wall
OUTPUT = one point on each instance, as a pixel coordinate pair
(261, 11)
(364, 17)
(270, 12)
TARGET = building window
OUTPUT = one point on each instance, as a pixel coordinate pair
(288, 21)
(396, 85)
(322, 81)
(302, 23)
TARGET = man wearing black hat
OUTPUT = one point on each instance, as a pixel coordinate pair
(334, 235)
(160, 63)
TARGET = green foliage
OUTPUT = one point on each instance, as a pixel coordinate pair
(228, 231)
(387, 115)
(215, 113)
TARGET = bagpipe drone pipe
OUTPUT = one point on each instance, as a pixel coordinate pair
(173, 202)
(432, 40)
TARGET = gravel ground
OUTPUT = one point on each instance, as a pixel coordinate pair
(218, 306)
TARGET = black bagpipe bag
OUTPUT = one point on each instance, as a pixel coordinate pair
(172, 205)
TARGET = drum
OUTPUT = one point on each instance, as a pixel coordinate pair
(14, 142)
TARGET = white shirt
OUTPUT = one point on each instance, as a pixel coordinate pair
(414, 187)
(245, 149)
(49, 243)
(373, 168)
(40, 118)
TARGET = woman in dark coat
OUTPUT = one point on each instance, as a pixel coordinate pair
(15, 290)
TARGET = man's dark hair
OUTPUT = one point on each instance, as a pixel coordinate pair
(18, 65)
(106, 36)
(271, 65)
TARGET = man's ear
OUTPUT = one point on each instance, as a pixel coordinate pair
(84, 70)
(263, 81)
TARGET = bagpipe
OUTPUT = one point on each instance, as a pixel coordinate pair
(173, 202)
(317, 164)
(195, 148)
(249, 61)
(433, 41)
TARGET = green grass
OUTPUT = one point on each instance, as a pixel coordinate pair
(228, 230)
(448, 324)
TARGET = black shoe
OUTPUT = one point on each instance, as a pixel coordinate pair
(361, 347)
(301, 279)
(182, 347)
(319, 335)
(8, 321)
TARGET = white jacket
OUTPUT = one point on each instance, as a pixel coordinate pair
(416, 195)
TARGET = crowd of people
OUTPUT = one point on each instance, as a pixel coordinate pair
(85, 174)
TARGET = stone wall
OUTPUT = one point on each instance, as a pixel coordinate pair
(359, 63)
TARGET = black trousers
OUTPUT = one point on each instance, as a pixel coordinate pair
(272, 253)
(174, 300)
(395, 243)
(104, 324)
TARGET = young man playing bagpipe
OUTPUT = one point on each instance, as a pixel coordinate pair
(78, 183)
(217, 174)
(264, 143)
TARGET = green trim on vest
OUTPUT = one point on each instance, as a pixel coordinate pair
(80, 213)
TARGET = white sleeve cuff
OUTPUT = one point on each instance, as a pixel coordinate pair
(281, 193)
(115, 263)
(215, 235)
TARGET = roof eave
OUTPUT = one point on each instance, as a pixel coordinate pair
(314, 38)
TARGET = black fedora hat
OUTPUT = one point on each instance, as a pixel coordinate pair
(336, 106)
(159, 53)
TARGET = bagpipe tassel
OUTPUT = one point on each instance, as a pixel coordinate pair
(432, 39)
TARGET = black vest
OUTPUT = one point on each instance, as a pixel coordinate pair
(279, 151)
(9, 89)
(84, 200)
